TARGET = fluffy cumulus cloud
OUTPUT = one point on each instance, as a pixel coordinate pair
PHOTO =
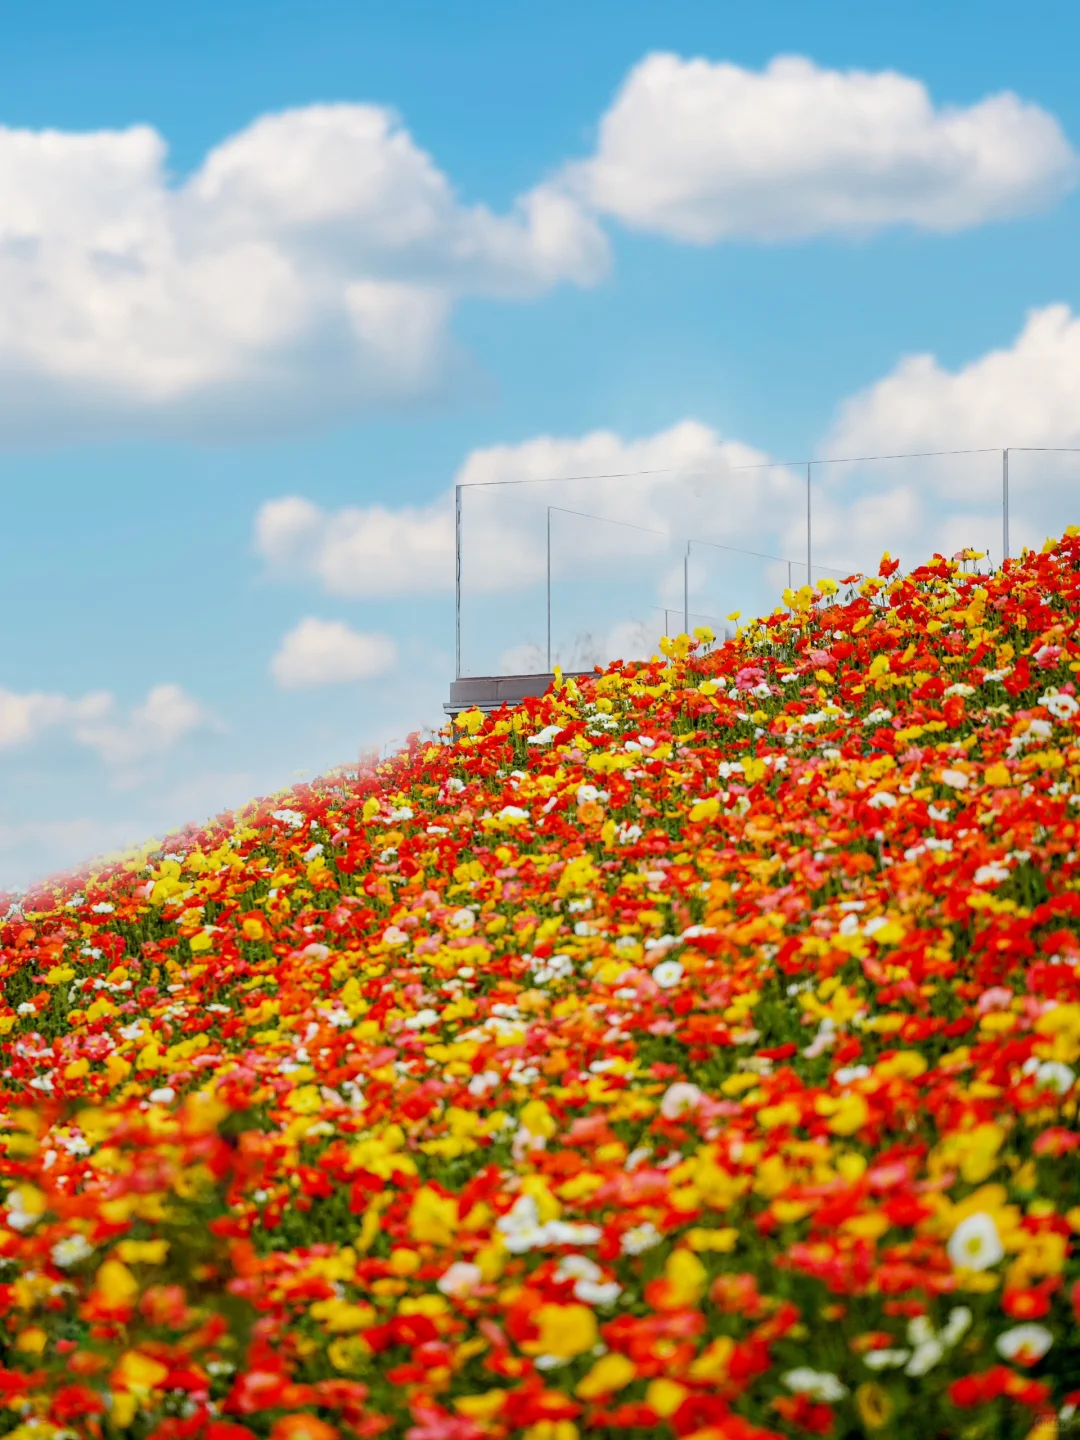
(309, 265)
(32, 847)
(24, 715)
(580, 649)
(358, 551)
(703, 151)
(329, 652)
(606, 499)
(94, 720)
(620, 511)
(165, 717)
(602, 495)
(1022, 395)
(611, 515)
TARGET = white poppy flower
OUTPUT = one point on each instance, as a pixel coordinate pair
(992, 874)
(679, 1099)
(71, 1250)
(667, 974)
(926, 1356)
(1024, 1343)
(975, 1243)
(566, 1232)
(292, 818)
(821, 1385)
(886, 1359)
(1051, 1074)
(422, 1020)
(957, 1325)
(460, 1279)
(1062, 707)
(521, 1227)
(640, 1238)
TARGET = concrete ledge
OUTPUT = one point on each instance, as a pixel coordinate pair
(489, 692)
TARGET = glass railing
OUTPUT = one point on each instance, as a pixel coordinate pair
(576, 571)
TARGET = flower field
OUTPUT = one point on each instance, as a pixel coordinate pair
(690, 1052)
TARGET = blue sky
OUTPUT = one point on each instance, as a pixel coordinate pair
(146, 423)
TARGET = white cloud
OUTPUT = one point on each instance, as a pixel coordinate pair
(308, 266)
(31, 849)
(682, 481)
(165, 717)
(1023, 394)
(24, 716)
(704, 152)
(618, 540)
(1020, 395)
(328, 652)
(151, 728)
(688, 482)
(358, 551)
(626, 640)
(685, 450)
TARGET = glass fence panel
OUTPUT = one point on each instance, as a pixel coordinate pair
(614, 584)
(732, 583)
(750, 543)
(1043, 495)
(911, 505)
(502, 587)
(578, 572)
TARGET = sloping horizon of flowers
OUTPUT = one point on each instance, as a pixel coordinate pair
(690, 1051)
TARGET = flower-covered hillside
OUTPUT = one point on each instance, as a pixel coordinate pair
(691, 1051)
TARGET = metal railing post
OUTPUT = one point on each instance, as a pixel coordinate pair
(457, 582)
(549, 589)
(809, 572)
(1004, 505)
(686, 589)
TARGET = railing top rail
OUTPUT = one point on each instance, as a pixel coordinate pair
(906, 455)
(739, 469)
(609, 520)
(696, 540)
(718, 471)
(779, 559)
(734, 550)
